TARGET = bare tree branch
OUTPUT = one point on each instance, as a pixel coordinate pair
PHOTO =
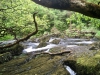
(24, 38)
(83, 7)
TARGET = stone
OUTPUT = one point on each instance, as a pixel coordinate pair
(42, 64)
(5, 57)
(42, 44)
(56, 41)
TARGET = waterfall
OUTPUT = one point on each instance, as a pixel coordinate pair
(70, 70)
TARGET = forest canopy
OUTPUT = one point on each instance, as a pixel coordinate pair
(16, 19)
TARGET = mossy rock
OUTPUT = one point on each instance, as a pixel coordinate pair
(42, 64)
(95, 46)
(5, 57)
(46, 38)
(87, 65)
(14, 50)
(42, 44)
(57, 50)
(56, 41)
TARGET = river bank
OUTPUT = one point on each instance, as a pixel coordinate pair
(83, 57)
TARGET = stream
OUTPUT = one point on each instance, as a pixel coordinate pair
(72, 44)
(67, 43)
(76, 46)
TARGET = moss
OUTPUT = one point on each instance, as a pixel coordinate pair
(15, 50)
(42, 44)
(5, 57)
(56, 41)
(57, 49)
(88, 65)
(41, 65)
(97, 56)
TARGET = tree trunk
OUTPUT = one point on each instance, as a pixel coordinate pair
(83, 7)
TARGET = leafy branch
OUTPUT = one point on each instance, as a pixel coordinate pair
(24, 38)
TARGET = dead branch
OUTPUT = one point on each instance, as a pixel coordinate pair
(24, 38)
(52, 54)
(83, 7)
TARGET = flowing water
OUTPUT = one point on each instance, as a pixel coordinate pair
(67, 43)
(73, 44)
(70, 70)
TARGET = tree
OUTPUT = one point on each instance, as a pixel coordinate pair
(24, 38)
(15, 18)
(83, 7)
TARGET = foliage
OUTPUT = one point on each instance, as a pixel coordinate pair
(16, 19)
(97, 35)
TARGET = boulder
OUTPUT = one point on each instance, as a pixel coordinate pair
(42, 44)
(14, 50)
(56, 41)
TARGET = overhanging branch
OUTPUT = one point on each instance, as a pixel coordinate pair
(83, 7)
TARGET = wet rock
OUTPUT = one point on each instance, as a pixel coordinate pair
(42, 44)
(57, 50)
(44, 38)
(56, 41)
(71, 63)
(95, 46)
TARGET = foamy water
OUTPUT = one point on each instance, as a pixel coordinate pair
(30, 49)
(70, 70)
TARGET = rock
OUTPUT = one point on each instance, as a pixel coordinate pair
(95, 46)
(56, 41)
(57, 50)
(87, 65)
(46, 38)
(43, 64)
(14, 50)
(5, 57)
(42, 44)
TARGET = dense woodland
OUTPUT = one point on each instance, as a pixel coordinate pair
(16, 20)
